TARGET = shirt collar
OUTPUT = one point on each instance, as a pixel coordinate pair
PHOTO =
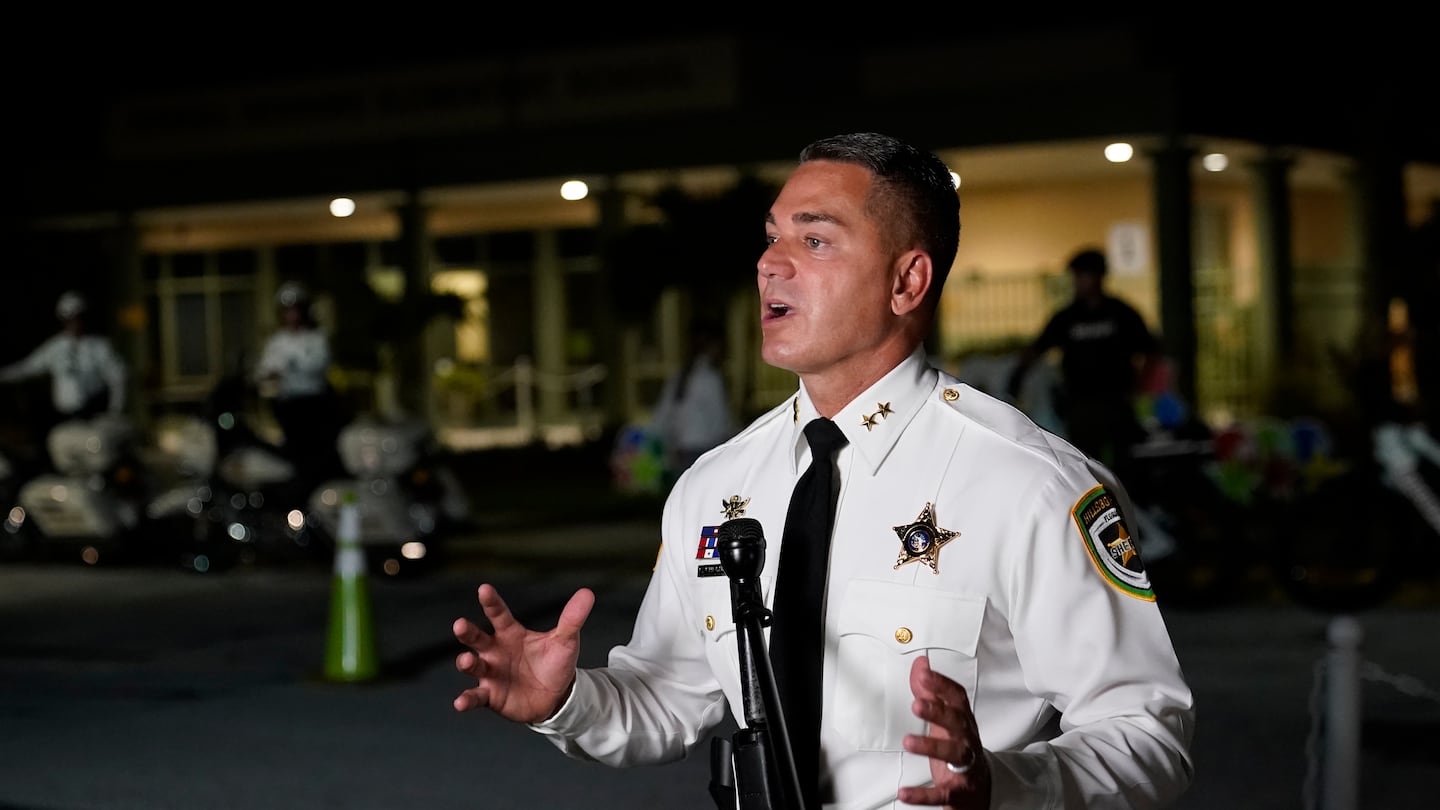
(873, 421)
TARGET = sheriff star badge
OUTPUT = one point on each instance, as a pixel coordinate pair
(922, 539)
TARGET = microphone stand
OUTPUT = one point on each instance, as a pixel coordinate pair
(764, 775)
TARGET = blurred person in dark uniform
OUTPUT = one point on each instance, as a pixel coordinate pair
(1106, 350)
(87, 375)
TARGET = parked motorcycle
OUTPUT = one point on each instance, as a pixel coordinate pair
(235, 498)
(408, 499)
(15, 541)
(91, 503)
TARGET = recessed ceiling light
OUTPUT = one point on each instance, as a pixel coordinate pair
(1119, 152)
(574, 190)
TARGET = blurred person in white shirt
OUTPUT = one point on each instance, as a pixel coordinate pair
(293, 371)
(693, 414)
(87, 375)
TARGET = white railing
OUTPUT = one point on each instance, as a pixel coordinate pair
(575, 424)
(1333, 749)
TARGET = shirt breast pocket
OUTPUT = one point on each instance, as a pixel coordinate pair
(716, 613)
(883, 626)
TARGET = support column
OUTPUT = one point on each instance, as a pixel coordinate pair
(409, 366)
(550, 323)
(1173, 191)
(616, 404)
(132, 338)
(1378, 220)
(1273, 349)
(1382, 229)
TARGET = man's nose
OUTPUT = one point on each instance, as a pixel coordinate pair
(774, 262)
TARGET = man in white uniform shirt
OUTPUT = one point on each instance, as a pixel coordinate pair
(87, 376)
(294, 367)
(990, 636)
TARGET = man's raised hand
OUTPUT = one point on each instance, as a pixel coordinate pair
(521, 674)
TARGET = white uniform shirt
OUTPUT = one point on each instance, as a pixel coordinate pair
(301, 358)
(1077, 691)
(80, 367)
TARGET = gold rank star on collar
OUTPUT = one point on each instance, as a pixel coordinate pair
(922, 540)
(882, 411)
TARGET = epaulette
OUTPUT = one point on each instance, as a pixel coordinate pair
(999, 417)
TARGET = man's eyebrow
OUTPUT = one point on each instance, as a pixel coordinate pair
(805, 218)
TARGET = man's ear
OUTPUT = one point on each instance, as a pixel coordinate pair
(913, 274)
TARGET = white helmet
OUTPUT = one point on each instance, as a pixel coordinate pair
(292, 294)
(70, 305)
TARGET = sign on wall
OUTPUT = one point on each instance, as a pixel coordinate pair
(1127, 248)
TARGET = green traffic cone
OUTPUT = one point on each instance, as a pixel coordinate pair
(350, 649)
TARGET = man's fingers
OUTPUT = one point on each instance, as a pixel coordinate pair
(470, 664)
(576, 611)
(464, 631)
(918, 673)
(923, 796)
(951, 743)
(927, 684)
(947, 749)
(472, 699)
(467, 633)
(944, 720)
(495, 609)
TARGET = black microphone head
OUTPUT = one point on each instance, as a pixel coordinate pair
(741, 545)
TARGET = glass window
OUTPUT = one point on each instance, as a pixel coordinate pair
(511, 247)
(202, 321)
(236, 262)
(392, 253)
(579, 242)
(150, 266)
(511, 316)
(237, 332)
(457, 250)
(191, 352)
(582, 290)
(187, 265)
(347, 257)
(296, 261)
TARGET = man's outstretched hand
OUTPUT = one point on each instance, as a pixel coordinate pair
(521, 674)
(959, 771)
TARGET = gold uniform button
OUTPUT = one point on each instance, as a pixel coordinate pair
(903, 635)
(709, 622)
(951, 395)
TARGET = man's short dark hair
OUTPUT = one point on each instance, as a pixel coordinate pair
(913, 191)
(1090, 261)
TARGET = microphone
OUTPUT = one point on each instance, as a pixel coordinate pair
(740, 543)
(764, 766)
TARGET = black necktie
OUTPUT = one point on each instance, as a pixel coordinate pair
(797, 633)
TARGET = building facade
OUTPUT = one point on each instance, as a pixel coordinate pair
(573, 311)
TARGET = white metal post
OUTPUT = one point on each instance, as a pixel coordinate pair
(1341, 756)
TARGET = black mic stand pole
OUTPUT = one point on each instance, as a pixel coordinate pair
(764, 766)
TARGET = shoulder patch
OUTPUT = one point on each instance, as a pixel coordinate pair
(1111, 546)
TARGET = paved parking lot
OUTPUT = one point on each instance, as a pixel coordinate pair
(140, 688)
